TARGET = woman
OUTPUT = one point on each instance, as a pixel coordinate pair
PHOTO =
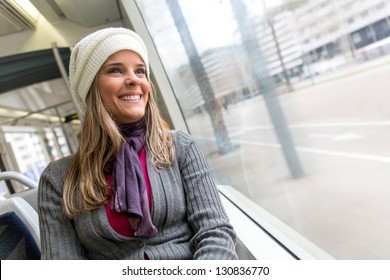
(133, 190)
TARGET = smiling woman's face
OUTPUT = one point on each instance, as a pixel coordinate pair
(124, 87)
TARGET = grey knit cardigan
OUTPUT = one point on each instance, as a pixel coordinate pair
(186, 209)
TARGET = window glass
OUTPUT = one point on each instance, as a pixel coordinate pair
(34, 148)
(294, 117)
(28, 152)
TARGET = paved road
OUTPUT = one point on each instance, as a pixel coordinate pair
(341, 132)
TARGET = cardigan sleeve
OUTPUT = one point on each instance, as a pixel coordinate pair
(214, 237)
(58, 236)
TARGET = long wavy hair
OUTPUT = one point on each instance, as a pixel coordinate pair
(85, 187)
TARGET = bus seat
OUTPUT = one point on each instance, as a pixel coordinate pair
(19, 230)
(30, 194)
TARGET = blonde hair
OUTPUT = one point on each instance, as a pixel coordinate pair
(85, 187)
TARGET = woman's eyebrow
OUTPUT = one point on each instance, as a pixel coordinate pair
(120, 64)
(112, 64)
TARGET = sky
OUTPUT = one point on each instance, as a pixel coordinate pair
(211, 21)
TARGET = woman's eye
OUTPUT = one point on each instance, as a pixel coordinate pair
(140, 71)
(114, 70)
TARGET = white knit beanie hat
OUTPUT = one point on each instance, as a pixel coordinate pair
(92, 51)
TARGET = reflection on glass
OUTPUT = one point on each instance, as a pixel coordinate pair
(326, 65)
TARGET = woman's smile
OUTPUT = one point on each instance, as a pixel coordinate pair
(131, 97)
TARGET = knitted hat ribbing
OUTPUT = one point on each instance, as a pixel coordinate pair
(92, 51)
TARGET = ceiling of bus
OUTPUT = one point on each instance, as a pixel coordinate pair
(42, 98)
(88, 13)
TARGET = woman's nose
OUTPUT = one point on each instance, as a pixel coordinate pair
(132, 79)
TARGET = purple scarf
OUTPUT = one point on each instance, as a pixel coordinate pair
(129, 193)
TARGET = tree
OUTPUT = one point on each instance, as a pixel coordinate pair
(212, 105)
